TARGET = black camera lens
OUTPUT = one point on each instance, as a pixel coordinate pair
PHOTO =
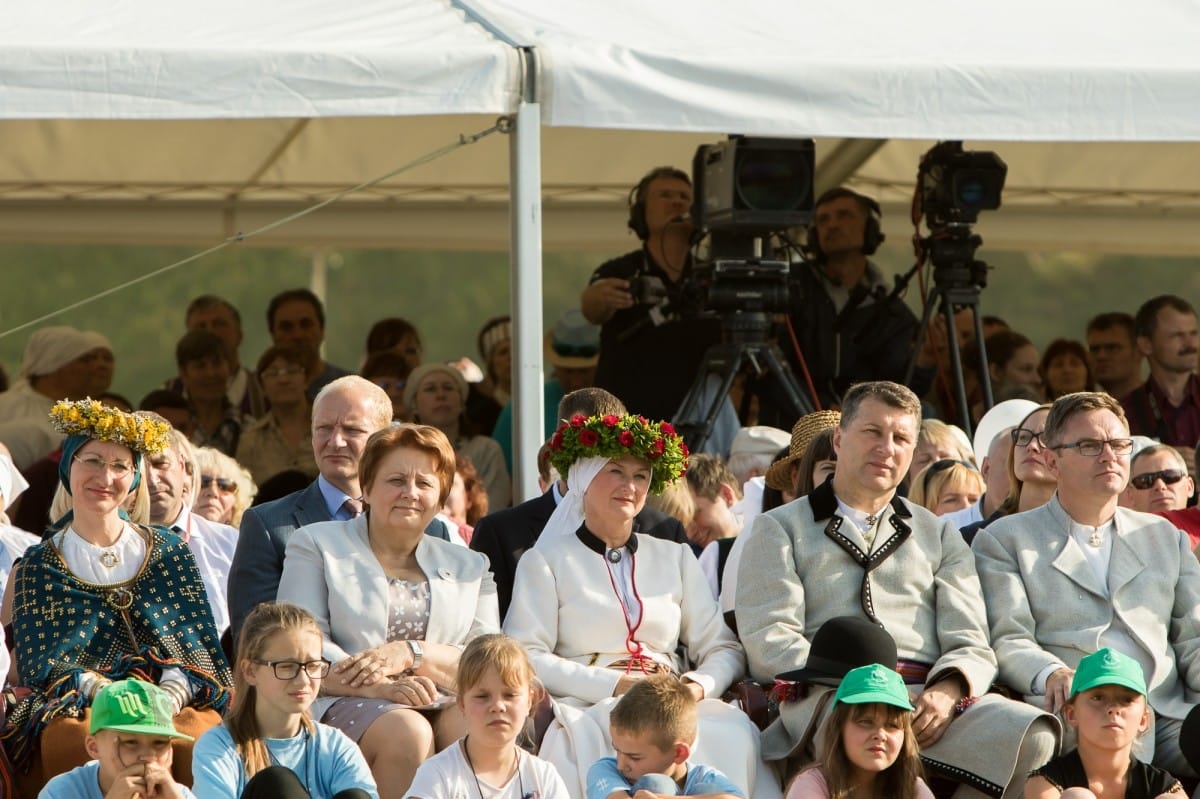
(773, 180)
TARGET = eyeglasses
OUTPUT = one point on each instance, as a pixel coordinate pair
(1169, 477)
(224, 484)
(941, 466)
(1022, 437)
(96, 465)
(290, 669)
(283, 371)
(1091, 447)
(390, 384)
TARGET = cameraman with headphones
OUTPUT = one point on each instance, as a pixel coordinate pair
(649, 354)
(848, 328)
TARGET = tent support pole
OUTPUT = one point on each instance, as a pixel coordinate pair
(525, 220)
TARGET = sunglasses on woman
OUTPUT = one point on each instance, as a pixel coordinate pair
(224, 484)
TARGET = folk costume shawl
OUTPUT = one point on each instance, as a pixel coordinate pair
(63, 627)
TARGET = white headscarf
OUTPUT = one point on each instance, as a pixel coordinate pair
(52, 347)
(12, 483)
(569, 514)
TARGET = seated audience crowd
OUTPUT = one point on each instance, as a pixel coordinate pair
(278, 578)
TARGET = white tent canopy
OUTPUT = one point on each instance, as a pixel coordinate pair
(151, 121)
(142, 122)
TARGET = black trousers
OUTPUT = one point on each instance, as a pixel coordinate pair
(278, 782)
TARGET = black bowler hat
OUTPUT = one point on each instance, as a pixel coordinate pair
(841, 644)
(1189, 738)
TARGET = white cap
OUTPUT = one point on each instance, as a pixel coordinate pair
(1002, 415)
(759, 440)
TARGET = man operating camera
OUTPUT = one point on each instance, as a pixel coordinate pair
(649, 352)
(848, 328)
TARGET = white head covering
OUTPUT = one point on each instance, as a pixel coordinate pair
(12, 483)
(52, 347)
(569, 514)
(1002, 415)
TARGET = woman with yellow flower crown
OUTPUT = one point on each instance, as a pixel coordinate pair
(599, 607)
(104, 599)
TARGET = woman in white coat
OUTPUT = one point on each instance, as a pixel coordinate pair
(599, 607)
(395, 606)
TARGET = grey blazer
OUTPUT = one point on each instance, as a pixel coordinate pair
(330, 570)
(802, 566)
(1046, 607)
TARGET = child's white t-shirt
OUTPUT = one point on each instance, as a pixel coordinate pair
(447, 775)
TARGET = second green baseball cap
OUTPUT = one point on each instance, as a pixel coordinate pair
(1108, 667)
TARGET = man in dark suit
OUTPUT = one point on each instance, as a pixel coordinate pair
(504, 536)
(345, 414)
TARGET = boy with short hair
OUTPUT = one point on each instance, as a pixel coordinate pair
(716, 520)
(129, 739)
(653, 729)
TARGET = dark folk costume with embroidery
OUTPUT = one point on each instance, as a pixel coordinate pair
(64, 627)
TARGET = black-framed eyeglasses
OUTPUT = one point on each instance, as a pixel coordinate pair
(224, 484)
(941, 466)
(1091, 447)
(1168, 476)
(1022, 437)
(290, 669)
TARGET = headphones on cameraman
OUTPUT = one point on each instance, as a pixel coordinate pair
(872, 231)
(637, 197)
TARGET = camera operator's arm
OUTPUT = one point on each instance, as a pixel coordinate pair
(604, 297)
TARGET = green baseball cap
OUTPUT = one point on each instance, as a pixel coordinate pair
(1108, 667)
(134, 706)
(874, 683)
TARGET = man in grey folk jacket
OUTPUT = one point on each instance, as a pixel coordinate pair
(1080, 573)
(853, 547)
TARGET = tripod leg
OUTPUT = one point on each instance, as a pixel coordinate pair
(786, 380)
(698, 413)
(960, 389)
(922, 332)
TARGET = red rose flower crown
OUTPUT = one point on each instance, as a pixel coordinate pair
(614, 437)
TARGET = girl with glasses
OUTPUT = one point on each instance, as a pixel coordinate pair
(269, 746)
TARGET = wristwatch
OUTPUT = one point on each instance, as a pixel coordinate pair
(417, 652)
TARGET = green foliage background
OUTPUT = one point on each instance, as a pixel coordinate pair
(449, 294)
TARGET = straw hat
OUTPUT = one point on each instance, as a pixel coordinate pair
(803, 432)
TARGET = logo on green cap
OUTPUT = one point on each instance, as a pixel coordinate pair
(134, 706)
(1108, 667)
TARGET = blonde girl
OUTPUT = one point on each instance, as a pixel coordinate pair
(496, 692)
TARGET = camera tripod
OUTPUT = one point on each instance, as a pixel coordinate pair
(745, 335)
(945, 298)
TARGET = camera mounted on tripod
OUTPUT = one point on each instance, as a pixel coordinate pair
(953, 186)
(746, 191)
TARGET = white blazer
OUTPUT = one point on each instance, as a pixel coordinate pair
(330, 570)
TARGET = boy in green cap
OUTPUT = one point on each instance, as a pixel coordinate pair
(129, 739)
(1108, 710)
